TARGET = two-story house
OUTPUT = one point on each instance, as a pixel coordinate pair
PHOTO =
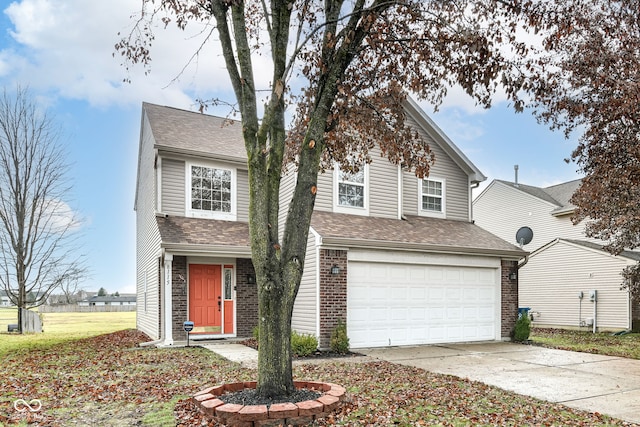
(396, 257)
(568, 280)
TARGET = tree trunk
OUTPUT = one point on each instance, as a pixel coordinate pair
(275, 375)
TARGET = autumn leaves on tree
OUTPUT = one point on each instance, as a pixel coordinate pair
(344, 69)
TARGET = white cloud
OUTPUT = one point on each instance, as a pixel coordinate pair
(66, 47)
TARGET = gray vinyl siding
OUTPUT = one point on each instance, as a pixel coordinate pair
(242, 195)
(173, 186)
(383, 187)
(147, 240)
(324, 196)
(305, 309)
(174, 175)
(550, 282)
(457, 192)
(287, 186)
(502, 210)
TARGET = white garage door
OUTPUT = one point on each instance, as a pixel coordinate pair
(400, 304)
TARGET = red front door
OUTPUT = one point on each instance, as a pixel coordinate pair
(205, 299)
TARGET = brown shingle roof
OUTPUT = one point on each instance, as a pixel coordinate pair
(421, 233)
(182, 130)
(177, 230)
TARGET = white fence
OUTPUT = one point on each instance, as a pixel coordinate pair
(30, 321)
(73, 308)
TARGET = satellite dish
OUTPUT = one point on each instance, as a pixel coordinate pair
(524, 236)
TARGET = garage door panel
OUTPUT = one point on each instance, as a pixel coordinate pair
(436, 293)
(395, 304)
(400, 314)
(453, 295)
(452, 275)
(453, 314)
(436, 314)
(417, 293)
(435, 275)
(485, 314)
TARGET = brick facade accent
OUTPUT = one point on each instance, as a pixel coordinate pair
(179, 297)
(246, 299)
(333, 293)
(509, 298)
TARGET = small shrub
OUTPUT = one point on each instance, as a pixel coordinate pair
(339, 339)
(523, 328)
(303, 344)
(256, 332)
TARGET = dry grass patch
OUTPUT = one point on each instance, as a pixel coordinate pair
(627, 345)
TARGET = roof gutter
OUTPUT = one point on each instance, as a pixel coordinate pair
(562, 212)
(171, 150)
(385, 245)
(190, 249)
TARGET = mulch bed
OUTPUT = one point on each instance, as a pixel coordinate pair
(249, 396)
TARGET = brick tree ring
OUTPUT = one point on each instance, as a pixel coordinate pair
(296, 414)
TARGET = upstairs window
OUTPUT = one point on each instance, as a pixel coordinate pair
(432, 202)
(211, 192)
(351, 191)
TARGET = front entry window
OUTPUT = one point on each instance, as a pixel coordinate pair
(228, 278)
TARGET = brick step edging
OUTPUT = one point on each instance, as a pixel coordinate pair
(297, 414)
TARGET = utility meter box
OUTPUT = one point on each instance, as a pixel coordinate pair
(593, 295)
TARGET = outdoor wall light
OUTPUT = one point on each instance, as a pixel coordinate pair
(335, 270)
(251, 279)
(513, 276)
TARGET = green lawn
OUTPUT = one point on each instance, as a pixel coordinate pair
(63, 327)
(627, 345)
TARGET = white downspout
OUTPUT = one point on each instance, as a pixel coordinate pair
(399, 192)
(168, 315)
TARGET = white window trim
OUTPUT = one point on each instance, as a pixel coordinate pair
(354, 210)
(433, 214)
(197, 213)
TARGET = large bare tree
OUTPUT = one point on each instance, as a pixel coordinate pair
(353, 63)
(37, 228)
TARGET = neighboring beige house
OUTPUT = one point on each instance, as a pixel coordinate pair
(397, 257)
(564, 267)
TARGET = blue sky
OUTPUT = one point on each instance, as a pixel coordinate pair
(62, 50)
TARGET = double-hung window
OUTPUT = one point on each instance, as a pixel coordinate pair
(432, 201)
(211, 192)
(351, 191)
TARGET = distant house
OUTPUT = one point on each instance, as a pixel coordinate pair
(122, 299)
(568, 280)
(4, 299)
(394, 256)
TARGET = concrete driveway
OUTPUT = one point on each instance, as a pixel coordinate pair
(596, 383)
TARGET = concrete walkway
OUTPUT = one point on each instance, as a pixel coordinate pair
(605, 384)
(591, 382)
(239, 353)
